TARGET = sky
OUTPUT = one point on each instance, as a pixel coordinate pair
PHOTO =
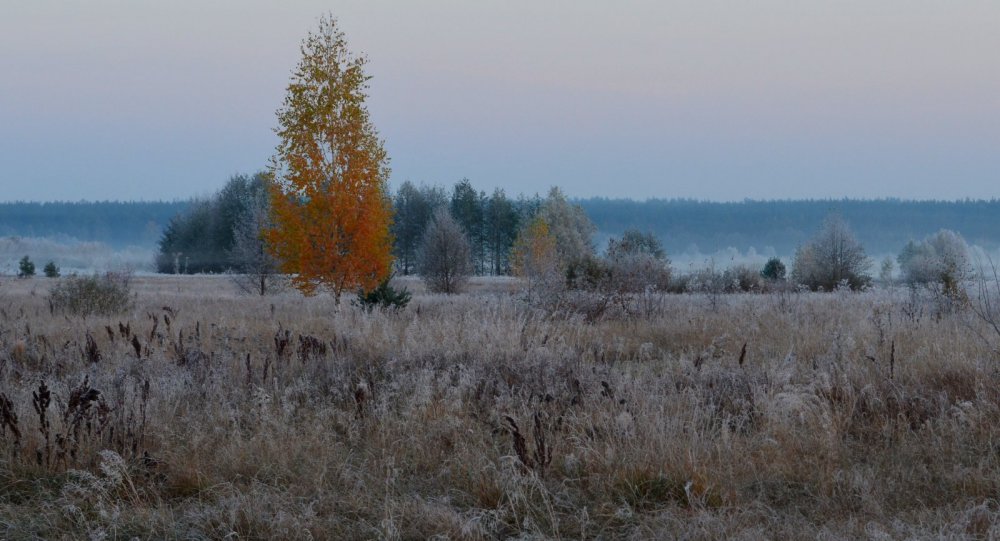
(705, 99)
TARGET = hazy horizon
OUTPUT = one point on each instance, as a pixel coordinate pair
(713, 101)
(541, 193)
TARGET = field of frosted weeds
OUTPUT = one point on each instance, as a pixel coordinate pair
(477, 417)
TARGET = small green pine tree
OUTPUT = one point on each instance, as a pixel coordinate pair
(51, 270)
(774, 270)
(384, 296)
(26, 268)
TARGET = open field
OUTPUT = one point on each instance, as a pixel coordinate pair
(792, 416)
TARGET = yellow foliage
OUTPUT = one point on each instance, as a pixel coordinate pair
(535, 250)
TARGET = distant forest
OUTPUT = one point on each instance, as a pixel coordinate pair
(684, 226)
(884, 226)
(115, 223)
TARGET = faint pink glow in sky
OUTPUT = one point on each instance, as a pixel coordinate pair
(708, 99)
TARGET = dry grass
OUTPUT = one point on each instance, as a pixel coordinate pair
(204, 414)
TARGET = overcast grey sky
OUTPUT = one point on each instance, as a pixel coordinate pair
(122, 99)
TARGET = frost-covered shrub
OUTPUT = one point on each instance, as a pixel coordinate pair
(941, 258)
(641, 272)
(637, 263)
(110, 293)
(736, 279)
(627, 282)
(742, 278)
(706, 280)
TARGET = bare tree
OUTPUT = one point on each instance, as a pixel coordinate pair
(885, 271)
(986, 305)
(445, 257)
(833, 258)
(256, 270)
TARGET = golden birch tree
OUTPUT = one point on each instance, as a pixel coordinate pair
(330, 207)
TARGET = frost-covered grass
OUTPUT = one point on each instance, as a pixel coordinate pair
(791, 415)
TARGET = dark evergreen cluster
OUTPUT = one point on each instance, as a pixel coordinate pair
(773, 270)
(490, 222)
(199, 239)
(384, 297)
(25, 268)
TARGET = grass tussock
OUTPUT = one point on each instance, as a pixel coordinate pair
(105, 294)
(197, 412)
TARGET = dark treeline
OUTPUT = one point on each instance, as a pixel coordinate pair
(883, 226)
(116, 223)
(202, 228)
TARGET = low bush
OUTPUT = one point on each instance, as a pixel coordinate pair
(106, 294)
(384, 297)
(742, 278)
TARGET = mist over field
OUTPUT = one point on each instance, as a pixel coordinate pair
(74, 256)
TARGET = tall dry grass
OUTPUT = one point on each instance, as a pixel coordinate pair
(200, 413)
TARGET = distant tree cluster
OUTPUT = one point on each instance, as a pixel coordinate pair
(202, 238)
(490, 223)
(444, 237)
(323, 215)
(474, 233)
(447, 236)
(26, 268)
(835, 258)
(555, 242)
